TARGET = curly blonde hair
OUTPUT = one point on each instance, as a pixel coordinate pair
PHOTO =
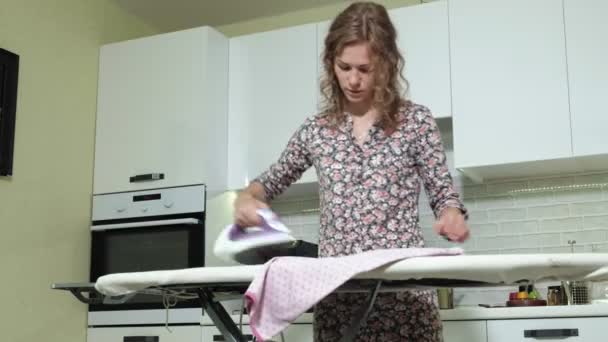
(365, 22)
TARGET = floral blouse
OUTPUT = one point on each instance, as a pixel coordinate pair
(368, 193)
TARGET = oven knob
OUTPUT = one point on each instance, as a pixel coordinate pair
(143, 210)
(168, 204)
(121, 210)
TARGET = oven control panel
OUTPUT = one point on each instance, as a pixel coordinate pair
(154, 202)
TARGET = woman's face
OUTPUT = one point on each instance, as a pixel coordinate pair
(353, 68)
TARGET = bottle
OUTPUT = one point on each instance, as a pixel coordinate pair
(554, 295)
(522, 293)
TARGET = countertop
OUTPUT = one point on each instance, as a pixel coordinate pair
(469, 313)
(466, 313)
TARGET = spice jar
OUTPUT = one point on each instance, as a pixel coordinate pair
(554, 295)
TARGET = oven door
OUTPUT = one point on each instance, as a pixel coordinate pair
(156, 243)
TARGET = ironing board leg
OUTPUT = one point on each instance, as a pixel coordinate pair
(220, 317)
(361, 316)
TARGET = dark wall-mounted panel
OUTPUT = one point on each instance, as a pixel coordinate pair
(9, 75)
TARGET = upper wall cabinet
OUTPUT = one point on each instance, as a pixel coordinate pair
(509, 82)
(272, 90)
(162, 112)
(587, 51)
(423, 39)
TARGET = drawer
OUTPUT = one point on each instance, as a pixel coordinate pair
(591, 329)
(464, 331)
(145, 334)
(294, 333)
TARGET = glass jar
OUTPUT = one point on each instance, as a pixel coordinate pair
(554, 295)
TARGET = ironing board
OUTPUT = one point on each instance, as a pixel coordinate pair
(214, 284)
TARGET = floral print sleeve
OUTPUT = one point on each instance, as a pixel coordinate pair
(432, 164)
(293, 162)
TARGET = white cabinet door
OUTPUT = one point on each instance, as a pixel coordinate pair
(162, 109)
(272, 90)
(464, 331)
(423, 39)
(294, 333)
(587, 48)
(509, 81)
(145, 334)
(554, 329)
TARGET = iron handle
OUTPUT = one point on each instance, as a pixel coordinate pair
(146, 177)
(140, 339)
(544, 333)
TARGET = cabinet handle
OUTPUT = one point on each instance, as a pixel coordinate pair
(146, 177)
(140, 339)
(543, 333)
(221, 338)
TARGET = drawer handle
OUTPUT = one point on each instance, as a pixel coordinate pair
(146, 177)
(140, 339)
(542, 333)
(221, 338)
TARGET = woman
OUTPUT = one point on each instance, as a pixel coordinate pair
(370, 148)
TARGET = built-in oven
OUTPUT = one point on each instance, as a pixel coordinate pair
(150, 230)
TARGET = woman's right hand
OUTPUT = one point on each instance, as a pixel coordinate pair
(245, 210)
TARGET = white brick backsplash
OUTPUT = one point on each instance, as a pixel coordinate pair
(540, 240)
(499, 242)
(503, 220)
(520, 251)
(518, 227)
(497, 215)
(563, 224)
(478, 216)
(558, 210)
(474, 190)
(595, 221)
(494, 202)
(563, 249)
(599, 247)
(592, 208)
(484, 229)
(506, 187)
(531, 199)
(578, 195)
(585, 236)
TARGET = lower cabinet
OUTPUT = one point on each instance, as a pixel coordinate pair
(464, 331)
(191, 333)
(294, 333)
(592, 329)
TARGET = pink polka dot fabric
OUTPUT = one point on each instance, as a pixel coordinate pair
(289, 286)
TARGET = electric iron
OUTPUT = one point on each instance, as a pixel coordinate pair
(254, 245)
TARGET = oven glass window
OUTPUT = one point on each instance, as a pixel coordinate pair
(137, 250)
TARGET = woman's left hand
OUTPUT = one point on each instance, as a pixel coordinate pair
(451, 225)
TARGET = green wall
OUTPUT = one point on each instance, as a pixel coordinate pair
(45, 206)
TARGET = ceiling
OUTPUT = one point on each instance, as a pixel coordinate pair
(171, 15)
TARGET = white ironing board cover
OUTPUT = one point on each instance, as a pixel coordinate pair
(493, 269)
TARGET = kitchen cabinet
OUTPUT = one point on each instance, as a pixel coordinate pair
(423, 39)
(509, 83)
(145, 334)
(464, 331)
(272, 90)
(556, 329)
(587, 52)
(294, 333)
(162, 110)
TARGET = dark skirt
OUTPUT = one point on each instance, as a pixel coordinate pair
(396, 317)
